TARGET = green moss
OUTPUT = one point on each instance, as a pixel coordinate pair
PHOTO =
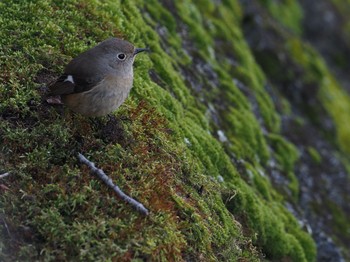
(287, 12)
(336, 101)
(259, 181)
(193, 18)
(342, 8)
(316, 157)
(333, 98)
(275, 232)
(57, 211)
(339, 217)
(286, 155)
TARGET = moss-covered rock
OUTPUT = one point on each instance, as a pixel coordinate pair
(201, 141)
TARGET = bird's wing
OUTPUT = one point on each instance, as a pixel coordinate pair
(81, 74)
(70, 83)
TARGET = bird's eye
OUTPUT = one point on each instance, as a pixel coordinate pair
(121, 56)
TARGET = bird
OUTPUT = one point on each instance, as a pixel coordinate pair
(97, 82)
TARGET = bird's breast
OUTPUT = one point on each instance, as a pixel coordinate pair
(102, 99)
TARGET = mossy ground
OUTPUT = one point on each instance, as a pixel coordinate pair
(161, 146)
(316, 119)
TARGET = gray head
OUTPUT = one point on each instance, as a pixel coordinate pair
(118, 53)
(113, 55)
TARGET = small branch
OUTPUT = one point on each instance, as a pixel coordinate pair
(4, 175)
(7, 228)
(99, 172)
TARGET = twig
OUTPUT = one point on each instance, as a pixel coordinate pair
(99, 172)
(7, 228)
(4, 175)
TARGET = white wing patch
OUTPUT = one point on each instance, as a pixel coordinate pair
(69, 79)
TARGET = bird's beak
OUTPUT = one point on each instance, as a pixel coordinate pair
(139, 50)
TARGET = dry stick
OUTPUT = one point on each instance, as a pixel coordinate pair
(99, 172)
(4, 175)
(7, 228)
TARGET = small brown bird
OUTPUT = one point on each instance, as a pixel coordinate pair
(98, 80)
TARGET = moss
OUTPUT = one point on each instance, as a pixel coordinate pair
(287, 12)
(336, 101)
(56, 211)
(191, 15)
(275, 235)
(316, 157)
(286, 155)
(340, 218)
(342, 8)
(258, 179)
(322, 94)
(333, 98)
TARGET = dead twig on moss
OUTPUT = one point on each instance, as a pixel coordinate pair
(7, 228)
(4, 175)
(99, 172)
